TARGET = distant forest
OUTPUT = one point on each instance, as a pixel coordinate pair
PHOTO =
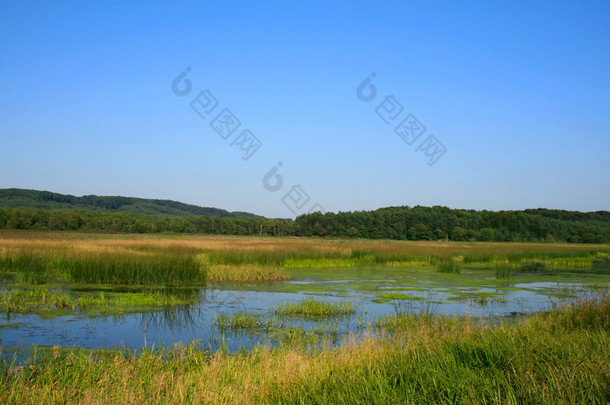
(402, 223)
(25, 218)
(442, 223)
(21, 198)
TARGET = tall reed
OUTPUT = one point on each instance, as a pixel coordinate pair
(134, 269)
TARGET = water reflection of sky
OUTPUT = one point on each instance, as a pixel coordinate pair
(196, 322)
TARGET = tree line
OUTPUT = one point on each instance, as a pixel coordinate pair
(121, 222)
(402, 223)
(442, 223)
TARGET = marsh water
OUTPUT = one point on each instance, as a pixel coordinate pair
(373, 291)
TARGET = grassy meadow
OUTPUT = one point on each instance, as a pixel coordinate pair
(404, 357)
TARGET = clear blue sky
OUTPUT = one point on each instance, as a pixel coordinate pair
(517, 93)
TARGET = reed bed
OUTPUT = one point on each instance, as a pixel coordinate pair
(142, 265)
(504, 271)
(158, 269)
(449, 266)
(43, 257)
(110, 268)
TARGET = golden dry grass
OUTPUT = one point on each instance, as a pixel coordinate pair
(245, 272)
(92, 242)
(251, 258)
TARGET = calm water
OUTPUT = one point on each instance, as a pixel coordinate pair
(473, 295)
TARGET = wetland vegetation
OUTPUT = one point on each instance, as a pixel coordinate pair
(303, 319)
(557, 357)
(313, 308)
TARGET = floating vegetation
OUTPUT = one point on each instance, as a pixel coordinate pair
(324, 263)
(245, 321)
(386, 297)
(311, 307)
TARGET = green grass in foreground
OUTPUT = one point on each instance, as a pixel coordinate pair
(311, 307)
(551, 358)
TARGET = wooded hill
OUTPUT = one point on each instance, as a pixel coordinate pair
(20, 198)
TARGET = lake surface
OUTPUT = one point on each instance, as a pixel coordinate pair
(374, 292)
